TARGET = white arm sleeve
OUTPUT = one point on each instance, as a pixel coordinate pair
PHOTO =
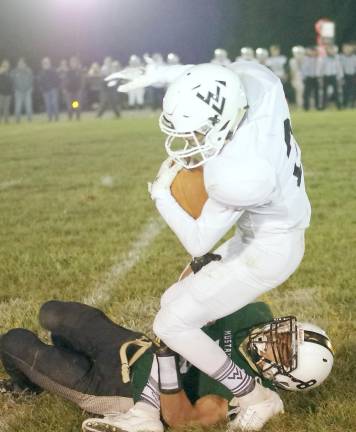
(198, 236)
(155, 74)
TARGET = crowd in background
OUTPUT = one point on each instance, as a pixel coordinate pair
(310, 78)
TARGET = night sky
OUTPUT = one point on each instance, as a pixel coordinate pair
(93, 29)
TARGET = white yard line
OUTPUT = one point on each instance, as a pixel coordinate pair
(10, 183)
(102, 291)
(100, 294)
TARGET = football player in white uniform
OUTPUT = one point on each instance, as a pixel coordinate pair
(234, 122)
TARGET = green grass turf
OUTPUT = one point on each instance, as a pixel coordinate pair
(62, 230)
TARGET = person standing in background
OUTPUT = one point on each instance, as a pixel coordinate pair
(108, 96)
(277, 63)
(93, 85)
(62, 73)
(295, 68)
(49, 83)
(73, 87)
(348, 63)
(332, 74)
(22, 77)
(6, 89)
(135, 97)
(311, 78)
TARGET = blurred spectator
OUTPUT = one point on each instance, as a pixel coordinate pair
(330, 70)
(220, 57)
(311, 78)
(109, 97)
(6, 90)
(296, 74)
(94, 85)
(262, 56)
(135, 97)
(48, 81)
(277, 62)
(73, 88)
(22, 77)
(348, 63)
(62, 73)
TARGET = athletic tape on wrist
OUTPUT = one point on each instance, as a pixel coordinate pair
(169, 375)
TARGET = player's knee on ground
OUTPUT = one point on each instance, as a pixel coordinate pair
(17, 343)
(51, 314)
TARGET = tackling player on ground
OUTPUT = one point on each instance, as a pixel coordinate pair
(104, 368)
(234, 122)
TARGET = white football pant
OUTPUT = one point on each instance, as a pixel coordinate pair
(249, 267)
(136, 97)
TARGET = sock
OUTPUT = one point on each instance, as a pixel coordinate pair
(234, 378)
(150, 393)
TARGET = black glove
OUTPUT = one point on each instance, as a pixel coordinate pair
(199, 262)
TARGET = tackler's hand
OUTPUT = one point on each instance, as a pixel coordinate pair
(199, 262)
(162, 183)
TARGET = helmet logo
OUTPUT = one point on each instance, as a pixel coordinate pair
(214, 100)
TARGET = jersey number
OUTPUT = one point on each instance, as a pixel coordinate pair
(297, 172)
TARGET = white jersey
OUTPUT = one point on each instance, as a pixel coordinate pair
(259, 172)
(257, 179)
(277, 65)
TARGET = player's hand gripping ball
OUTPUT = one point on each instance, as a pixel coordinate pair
(189, 191)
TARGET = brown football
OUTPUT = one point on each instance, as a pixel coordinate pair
(189, 191)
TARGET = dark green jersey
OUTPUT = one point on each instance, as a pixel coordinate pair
(230, 333)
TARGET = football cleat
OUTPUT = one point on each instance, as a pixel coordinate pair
(141, 417)
(252, 416)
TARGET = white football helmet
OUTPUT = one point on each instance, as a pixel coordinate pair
(261, 54)
(298, 51)
(173, 59)
(247, 53)
(201, 111)
(294, 355)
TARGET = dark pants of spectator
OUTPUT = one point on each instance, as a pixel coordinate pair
(50, 99)
(73, 102)
(109, 98)
(5, 101)
(311, 88)
(331, 81)
(349, 90)
(23, 99)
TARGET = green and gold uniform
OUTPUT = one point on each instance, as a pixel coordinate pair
(230, 333)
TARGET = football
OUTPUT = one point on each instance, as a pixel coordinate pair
(189, 191)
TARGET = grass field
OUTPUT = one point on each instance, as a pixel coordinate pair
(69, 232)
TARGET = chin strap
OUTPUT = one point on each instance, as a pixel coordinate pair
(143, 345)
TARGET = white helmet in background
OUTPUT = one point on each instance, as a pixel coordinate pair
(247, 53)
(294, 355)
(173, 59)
(261, 54)
(201, 111)
(298, 51)
(134, 61)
